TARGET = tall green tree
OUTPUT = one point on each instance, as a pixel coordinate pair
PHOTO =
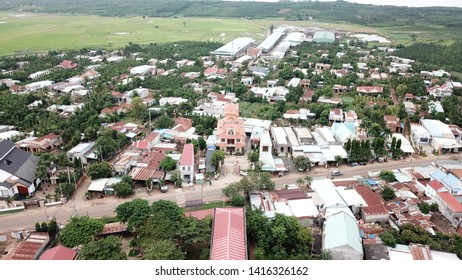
(109, 248)
(80, 230)
(100, 170)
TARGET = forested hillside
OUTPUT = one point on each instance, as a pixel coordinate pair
(435, 56)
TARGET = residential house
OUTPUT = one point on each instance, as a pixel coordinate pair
(339, 89)
(304, 135)
(375, 210)
(45, 143)
(31, 248)
(172, 101)
(259, 71)
(294, 82)
(111, 111)
(148, 142)
(147, 167)
(248, 81)
(320, 67)
(67, 64)
(393, 123)
(36, 86)
(60, 253)
(231, 130)
(336, 115)
(420, 136)
(410, 107)
(301, 114)
(369, 89)
(440, 92)
(341, 236)
(442, 138)
(82, 151)
(457, 131)
(307, 95)
(186, 164)
(344, 131)
(17, 171)
(450, 208)
(280, 143)
(271, 83)
(141, 70)
(351, 116)
(229, 240)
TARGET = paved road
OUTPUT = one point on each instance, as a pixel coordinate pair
(106, 206)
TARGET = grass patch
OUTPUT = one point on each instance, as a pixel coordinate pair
(210, 205)
(11, 211)
(251, 110)
(109, 219)
(43, 32)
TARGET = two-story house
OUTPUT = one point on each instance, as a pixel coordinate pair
(186, 164)
(392, 122)
(336, 115)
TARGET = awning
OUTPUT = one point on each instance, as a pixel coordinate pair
(98, 185)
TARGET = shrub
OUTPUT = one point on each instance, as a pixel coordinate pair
(123, 189)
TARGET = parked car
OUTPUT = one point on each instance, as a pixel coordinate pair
(335, 173)
(164, 189)
(243, 173)
(362, 163)
(352, 164)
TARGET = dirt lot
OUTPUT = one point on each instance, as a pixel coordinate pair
(6, 247)
(442, 224)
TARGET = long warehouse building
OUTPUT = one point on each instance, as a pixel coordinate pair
(235, 47)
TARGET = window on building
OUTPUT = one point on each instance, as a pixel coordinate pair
(223, 140)
(189, 168)
(238, 140)
(184, 168)
(231, 132)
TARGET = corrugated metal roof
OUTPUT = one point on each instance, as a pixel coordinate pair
(229, 236)
(59, 253)
(341, 229)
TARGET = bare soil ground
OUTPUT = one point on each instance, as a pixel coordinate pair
(442, 224)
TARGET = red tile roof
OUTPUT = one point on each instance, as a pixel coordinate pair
(450, 200)
(187, 157)
(67, 64)
(375, 210)
(369, 89)
(436, 185)
(143, 174)
(229, 236)
(143, 145)
(29, 249)
(457, 173)
(290, 194)
(370, 197)
(59, 253)
(185, 123)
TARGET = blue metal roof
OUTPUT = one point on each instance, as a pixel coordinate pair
(372, 182)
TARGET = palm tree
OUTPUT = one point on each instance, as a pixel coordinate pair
(9, 201)
(300, 182)
(308, 180)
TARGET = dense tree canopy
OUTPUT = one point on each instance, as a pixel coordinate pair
(80, 230)
(109, 248)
